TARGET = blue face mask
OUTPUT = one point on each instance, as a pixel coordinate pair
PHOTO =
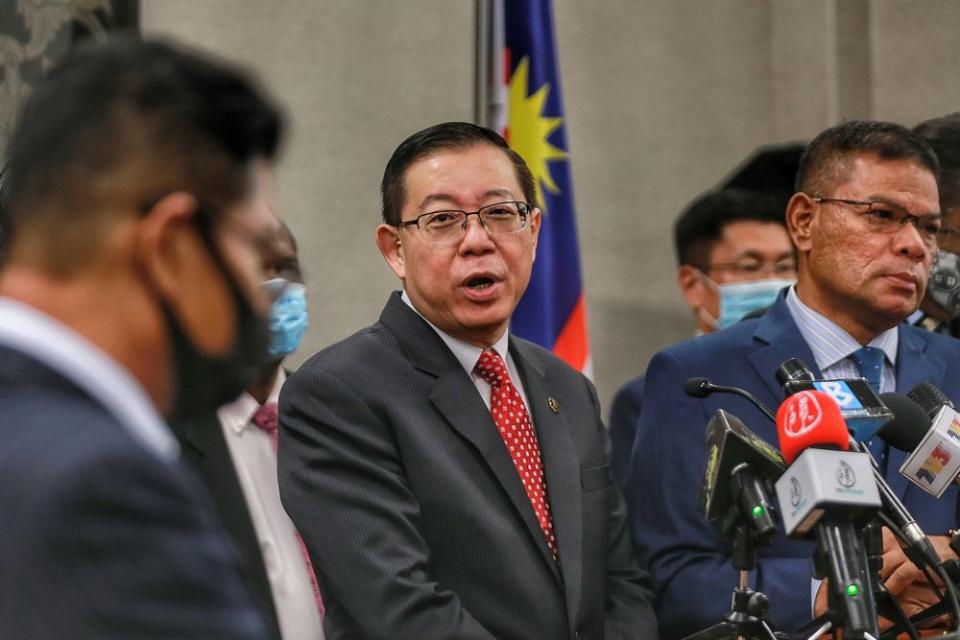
(737, 299)
(288, 319)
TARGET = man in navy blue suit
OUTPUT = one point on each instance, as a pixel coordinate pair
(865, 222)
(136, 211)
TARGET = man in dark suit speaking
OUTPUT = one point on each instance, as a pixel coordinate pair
(137, 206)
(450, 480)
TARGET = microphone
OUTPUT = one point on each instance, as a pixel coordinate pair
(862, 410)
(909, 425)
(929, 397)
(702, 387)
(828, 492)
(739, 465)
(823, 472)
(934, 445)
(793, 373)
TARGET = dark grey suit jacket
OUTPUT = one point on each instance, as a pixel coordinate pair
(99, 538)
(415, 517)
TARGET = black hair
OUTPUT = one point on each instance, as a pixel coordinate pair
(828, 157)
(943, 135)
(447, 136)
(117, 124)
(701, 224)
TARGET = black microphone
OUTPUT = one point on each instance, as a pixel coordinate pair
(929, 398)
(909, 425)
(739, 469)
(702, 387)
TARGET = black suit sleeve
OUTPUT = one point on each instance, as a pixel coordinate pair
(342, 478)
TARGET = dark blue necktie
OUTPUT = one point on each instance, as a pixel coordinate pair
(869, 361)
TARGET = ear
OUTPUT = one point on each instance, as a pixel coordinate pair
(162, 241)
(178, 267)
(535, 220)
(801, 221)
(691, 285)
(391, 248)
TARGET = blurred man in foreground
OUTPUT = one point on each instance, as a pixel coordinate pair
(137, 213)
(734, 256)
(449, 479)
(865, 222)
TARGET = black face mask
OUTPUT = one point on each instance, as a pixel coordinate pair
(205, 382)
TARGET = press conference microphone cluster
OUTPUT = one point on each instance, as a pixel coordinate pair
(864, 414)
(827, 493)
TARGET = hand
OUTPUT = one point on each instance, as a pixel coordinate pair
(915, 598)
(820, 602)
(898, 572)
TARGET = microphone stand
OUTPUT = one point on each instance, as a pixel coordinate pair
(887, 605)
(746, 529)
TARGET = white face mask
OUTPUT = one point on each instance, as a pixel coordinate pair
(737, 299)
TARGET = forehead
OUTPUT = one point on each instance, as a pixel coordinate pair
(255, 209)
(753, 237)
(903, 182)
(755, 232)
(467, 177)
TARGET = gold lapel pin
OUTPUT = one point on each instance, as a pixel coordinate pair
(554, 405)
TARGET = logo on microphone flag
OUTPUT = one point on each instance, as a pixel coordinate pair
(803, 414)
(528, 110)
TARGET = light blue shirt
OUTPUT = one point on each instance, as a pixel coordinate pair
(832, 346)
(39, 336)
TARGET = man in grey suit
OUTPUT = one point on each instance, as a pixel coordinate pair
(451, 481)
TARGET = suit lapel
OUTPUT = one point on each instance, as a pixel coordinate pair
(456, 398)
(913, 367)
(561, 471)
(207, 448)
(781, 338)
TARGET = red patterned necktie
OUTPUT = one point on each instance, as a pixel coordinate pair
(516, 429)
(266, 419)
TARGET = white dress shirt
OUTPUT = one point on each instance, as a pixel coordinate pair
(467, 355)
(256, 464)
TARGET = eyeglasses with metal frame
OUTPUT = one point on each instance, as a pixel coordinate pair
(752, 269)
(450, 225)
(884, 217)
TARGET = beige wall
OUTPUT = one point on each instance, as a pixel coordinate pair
(663, 99)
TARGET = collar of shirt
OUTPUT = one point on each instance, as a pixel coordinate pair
(237, 414)
(829, 343)
(466, 354)
(32, 332)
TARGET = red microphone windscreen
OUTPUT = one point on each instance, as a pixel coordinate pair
(810, 419)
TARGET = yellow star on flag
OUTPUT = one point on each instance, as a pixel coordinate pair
(529, 129)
